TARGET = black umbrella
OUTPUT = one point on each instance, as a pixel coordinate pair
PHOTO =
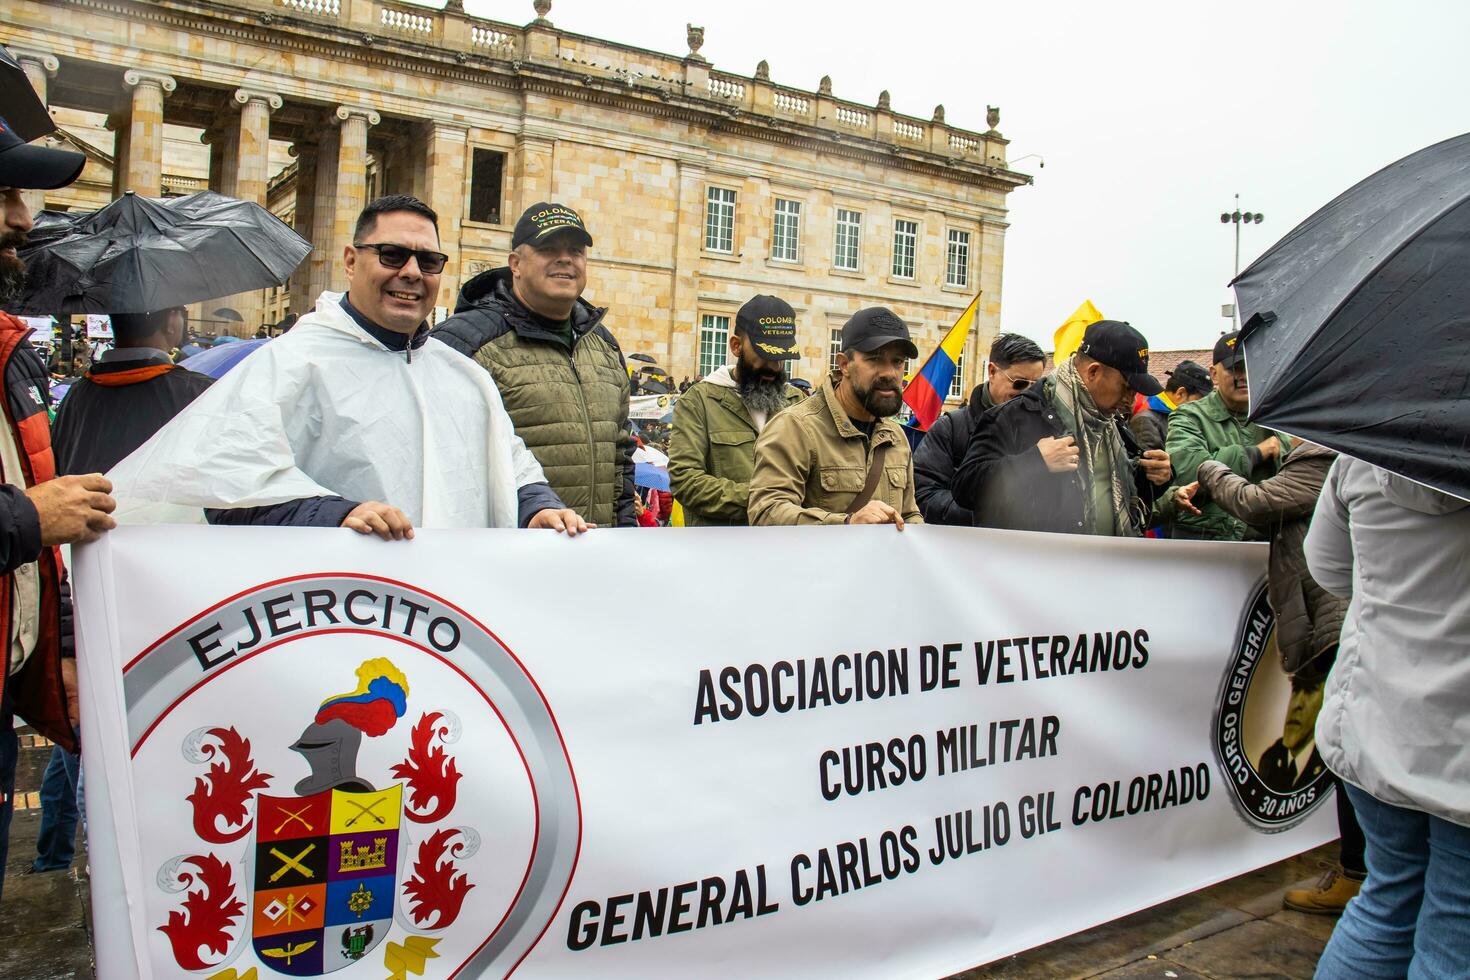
(642, 357)
(1357, 323)
(140, 254)
(20, 106)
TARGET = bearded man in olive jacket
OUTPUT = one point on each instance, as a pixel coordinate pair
(712, 448)
(560, 372)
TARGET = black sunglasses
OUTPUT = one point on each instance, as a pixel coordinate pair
(397, 256)
(1018, 384)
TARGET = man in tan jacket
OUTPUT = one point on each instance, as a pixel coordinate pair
(837, 458)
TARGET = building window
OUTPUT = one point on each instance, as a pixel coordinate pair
(957, 383)
(849, 233)
(719, 220)
(957, 259)
(834, 347)
(487, 181)
(905, 243)
(786, 232)
(714, 343)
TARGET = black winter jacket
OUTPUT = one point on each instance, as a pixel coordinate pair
(1015, 489)
(938, 459)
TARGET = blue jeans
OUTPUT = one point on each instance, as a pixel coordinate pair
(56, 843)
(1412, 918)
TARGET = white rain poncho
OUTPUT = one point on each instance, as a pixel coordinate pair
(326, 410)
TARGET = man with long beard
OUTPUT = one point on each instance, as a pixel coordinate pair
(716, 421)
(837, 458)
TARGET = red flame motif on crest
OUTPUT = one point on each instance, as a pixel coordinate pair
(430, 772)
(207, 915)
(436, 889)
(229, 785)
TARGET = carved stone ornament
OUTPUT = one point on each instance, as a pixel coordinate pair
(939, 114)
(824, 87)
(454, 7)
(885, 102)
(543, 7)
(763, 71)
(992, 116)
(695, 36)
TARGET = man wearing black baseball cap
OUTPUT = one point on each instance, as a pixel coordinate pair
(837, 457)
(560, 372)
(37, 512)
(1188, 382)
(716, 421)
(1059, 456)
(1215, 428)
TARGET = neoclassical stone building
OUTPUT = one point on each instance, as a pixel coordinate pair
(701, 187)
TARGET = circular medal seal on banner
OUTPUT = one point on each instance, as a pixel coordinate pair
(339, 773)
(1264, 729)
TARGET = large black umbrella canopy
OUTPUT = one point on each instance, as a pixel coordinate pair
(20, 106)
(1357, 323)
(141, 254)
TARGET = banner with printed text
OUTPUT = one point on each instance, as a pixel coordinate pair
(812, 751)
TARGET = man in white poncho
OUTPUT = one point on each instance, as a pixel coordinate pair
(355, 418)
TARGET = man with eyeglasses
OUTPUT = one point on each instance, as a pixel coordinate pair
(557, 366)
(355, 418)
(1016, 363)
(1060, 457)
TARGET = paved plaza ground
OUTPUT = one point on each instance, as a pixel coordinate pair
(1236, 929)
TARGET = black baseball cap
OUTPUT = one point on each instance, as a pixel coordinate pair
(1192, 377)
(875, 327)
(770, 323)
(1118, 345)
(1228, 353)
(541, 221)
(32, 167)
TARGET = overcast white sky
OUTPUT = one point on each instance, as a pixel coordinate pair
(1150, 117)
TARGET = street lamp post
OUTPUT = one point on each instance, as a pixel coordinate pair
(1238, 218)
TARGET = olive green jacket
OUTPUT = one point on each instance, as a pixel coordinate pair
(712, 453)
(811, 463)
(1207, 430)
(569, 406)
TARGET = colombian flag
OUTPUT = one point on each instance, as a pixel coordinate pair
(1069, 335)
(926, 392)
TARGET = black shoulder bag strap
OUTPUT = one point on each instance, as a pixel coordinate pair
(870, 486)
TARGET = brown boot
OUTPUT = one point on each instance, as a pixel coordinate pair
(1329, 897)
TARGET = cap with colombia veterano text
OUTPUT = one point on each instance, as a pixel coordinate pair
(541, 221)
(770, 323)
(875, 327)
(1119, 346)
(1227, 351)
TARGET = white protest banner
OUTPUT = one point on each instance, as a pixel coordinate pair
(651, 407)
(844, 753)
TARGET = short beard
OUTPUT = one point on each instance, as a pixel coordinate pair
(767, 395)
(879, 403)
(12, 271)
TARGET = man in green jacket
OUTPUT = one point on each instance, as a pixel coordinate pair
(712, 448)
(1215, 428)
(559, 370)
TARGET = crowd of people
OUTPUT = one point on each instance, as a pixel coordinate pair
(514, 413)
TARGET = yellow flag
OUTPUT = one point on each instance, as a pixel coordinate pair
(1069, 335)
(676, 516)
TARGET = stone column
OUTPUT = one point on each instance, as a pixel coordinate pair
(324, 209)
(352, 127)
(444, 191)
(39, 69)
(251, 144)
(118, 124)
(305, 216)
(688, 240)
(145, 131)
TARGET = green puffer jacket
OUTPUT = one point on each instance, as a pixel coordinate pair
(1204, 430)
(712, 453)
(570, 406)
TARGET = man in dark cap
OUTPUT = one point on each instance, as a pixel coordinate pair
(1215, 428)
(838, 457)
(560, 372)
(1188, 382)
(712, 448)
(1059, 456)
(37, 512)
